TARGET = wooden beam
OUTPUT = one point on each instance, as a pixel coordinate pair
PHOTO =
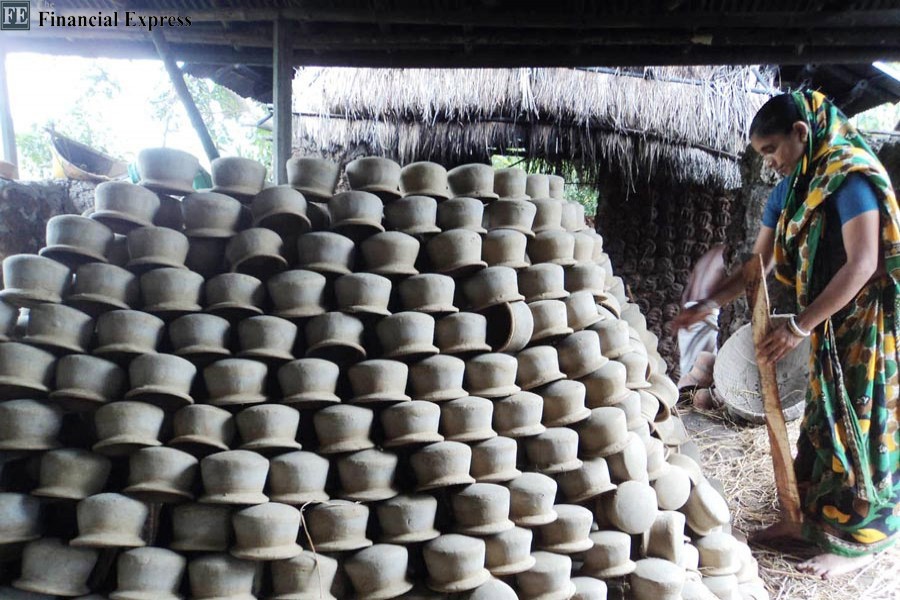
(6, 122)
(282, 81)
(184, 94)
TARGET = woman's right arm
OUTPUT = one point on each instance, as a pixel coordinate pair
(732, 286)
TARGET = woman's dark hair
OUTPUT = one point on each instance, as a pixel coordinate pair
(778, 115)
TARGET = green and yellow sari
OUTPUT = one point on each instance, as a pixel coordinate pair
(848, 461)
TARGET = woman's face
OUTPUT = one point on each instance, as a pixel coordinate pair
(782, 151)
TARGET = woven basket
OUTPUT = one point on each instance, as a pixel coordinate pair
(736, 377)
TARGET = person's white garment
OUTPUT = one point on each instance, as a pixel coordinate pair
(697, 338)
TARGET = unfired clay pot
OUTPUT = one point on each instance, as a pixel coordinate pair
(100, 287)
(122, 206)
(297, 294)
(338, 526)
(241, 178)
(472, 180)
(124, 427)
(234, 477)
(163, 475)
(201, 528)
(29, 425)
(379, 572)
(72, 474)
(167, 170)
(309, 382)
(298, 478)
(234, 296)
(29, 280)
(149, 573)
(314, 177)
(59, 328)
(548, 579)
(74, 240)
(424, 179)
(111, 521)
(266, 532)
(368, 475)
(455, 563)
(50, 566)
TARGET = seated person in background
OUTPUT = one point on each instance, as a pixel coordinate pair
(701, 337)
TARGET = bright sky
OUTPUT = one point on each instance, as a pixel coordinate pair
(43, 88)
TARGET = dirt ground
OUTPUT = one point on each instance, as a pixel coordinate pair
(738, 456)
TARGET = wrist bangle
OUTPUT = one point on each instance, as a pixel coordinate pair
(795, 329)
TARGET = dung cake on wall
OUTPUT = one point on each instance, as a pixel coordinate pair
(429, 384)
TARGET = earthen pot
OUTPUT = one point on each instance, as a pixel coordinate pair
(456, 252)
(309, 382)
(75, 240)
(581, 310)
(548, 579)
(326, 252)
(234, 296)
(266, 532)
(589, 588)
(630, 463)
(123, 334)
(430, 293)
(72, 474)
(111, 521)
(368, 475)
(673, 488)
(491, 375)
(221, 577)
(665, 538)
(162, 475)
(580, 354)
(298, 478)
(438, 378)
(461, 213)
(607, 385)
(268, 428)
(335, 336)
(556, 247)
(586, 483)
(58, 328)
(614, 340)
(167, 170)
(282, 209)
(25, 370)
(298, 294)
(391, 253)
(125, 427)
(548, 215)
(705, 509)
(424, 179)
(586, 276)
(515, 215)
(200, 429)
(610, 556)
(632, 508)
(307, 576)
(657, 579)
(550, 321)
(441, 465)
(509, 552)
(29, 425)
(200, 338)
(554, 451)
(584, 249)
(234, 381)
(604, 432)
(467, 419)
(122, 206)
(519, 415)
(314, 177)
(407, 335)
(100, 287)
(267, 339)
(637, 367)
(50, 566)
(543, 281)
(161, 379)
(537, 366)
(563, 403)
(376, 175)
(29, 280)
(494, 460)
(505, 248)
(20, 518)
(492, 286)
(338, 526)
(455, 563)
(211, 215)
(155, 247)
(537, 185)
(573, 216)
(379, 572)
(412, 215)
(492, 589)
(169, 293)
(378, 382)
(234, 477)
(408, 519)
(344, 428)
(482, 509)
(411, 423)
(509, 183)
(568, 534)
(238, 177)
(556, 186)
(472, 180)
(462, 334)
(531, 500)
(145, 573)
(363, 294)
(356, 214)
(256, 251)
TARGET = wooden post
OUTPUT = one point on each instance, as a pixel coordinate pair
(282, 80)
(783, 464)
(177, 77)
(6, 122)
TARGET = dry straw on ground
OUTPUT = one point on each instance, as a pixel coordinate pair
(739, 457)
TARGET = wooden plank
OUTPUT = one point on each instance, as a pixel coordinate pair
(782, 461)
(282, 81)
(6, 122)
(184, 94)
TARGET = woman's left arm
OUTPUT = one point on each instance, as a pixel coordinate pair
(861, 236)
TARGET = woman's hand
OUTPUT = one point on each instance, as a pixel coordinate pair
(777, 344)
(690, 316)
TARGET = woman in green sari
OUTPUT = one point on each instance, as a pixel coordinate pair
(831, 231)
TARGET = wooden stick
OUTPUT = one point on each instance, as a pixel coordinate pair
(783, 463)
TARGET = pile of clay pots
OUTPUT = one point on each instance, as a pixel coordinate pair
(428, 385)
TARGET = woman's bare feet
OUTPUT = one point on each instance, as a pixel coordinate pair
(780, 531)
(829, 566)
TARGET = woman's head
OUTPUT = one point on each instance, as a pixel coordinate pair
(779, 133)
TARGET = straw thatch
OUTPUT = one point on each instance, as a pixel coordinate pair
(688, 125)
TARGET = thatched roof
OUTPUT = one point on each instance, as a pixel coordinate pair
(687, 124)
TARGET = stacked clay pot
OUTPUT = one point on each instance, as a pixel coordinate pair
(427, 385)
